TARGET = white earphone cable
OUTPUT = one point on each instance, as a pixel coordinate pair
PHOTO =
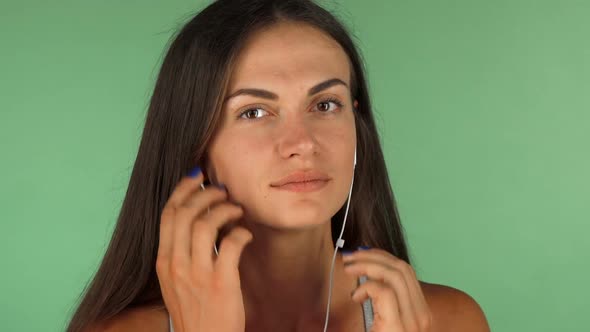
(339, 244)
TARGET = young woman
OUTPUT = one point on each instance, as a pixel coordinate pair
(259, 143)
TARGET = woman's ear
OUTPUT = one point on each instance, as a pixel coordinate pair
(203, 164)
(205, 171)
(356, 104)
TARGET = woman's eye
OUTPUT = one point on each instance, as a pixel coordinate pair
(251, 113)
(324, 106)
(330, 105)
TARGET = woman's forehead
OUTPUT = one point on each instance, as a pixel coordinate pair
(287, 52)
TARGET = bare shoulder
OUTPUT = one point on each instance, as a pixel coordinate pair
(453, 309)
(136, 319)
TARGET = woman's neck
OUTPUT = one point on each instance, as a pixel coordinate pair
(285, 280)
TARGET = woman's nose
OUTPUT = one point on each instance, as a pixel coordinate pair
(296, 137)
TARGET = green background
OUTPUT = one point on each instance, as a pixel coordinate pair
(483, 109)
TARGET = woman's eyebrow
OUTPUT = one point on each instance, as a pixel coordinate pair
(273, 96)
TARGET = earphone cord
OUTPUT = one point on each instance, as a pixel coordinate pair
(339, 244)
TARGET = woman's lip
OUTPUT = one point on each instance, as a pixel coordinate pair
(301, 175)
(306, 186)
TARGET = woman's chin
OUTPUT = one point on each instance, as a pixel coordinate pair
(296, 221)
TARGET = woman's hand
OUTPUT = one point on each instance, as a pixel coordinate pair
(201, 291)
(398, 302)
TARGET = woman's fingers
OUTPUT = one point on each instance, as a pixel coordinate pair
(204, 199)
(167, 243)
(385, 258)
(381, 266)
(205, 230)
(186, 266)
(396, 284)
(384, 302)
(230, 250)
(182, 192)
(166, 235)
(421, 308)
(184, 223)
(184, 189)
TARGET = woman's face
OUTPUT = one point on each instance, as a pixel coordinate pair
(291, 126)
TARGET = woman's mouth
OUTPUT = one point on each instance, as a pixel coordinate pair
(304, 186)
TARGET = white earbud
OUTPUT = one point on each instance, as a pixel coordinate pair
(354, 157)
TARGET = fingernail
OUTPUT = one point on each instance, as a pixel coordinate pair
(346, 252)
(221, 186)
(363, 248)
(194, 172)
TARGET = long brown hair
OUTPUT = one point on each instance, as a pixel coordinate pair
(183, 114)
